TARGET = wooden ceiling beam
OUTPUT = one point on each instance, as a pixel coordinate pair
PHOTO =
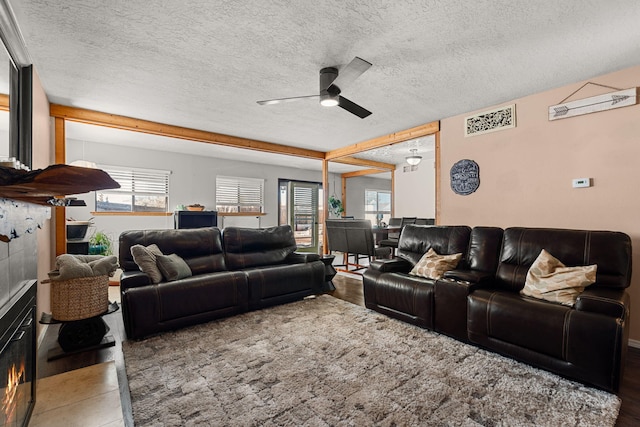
(348, 160)
(382, 141)
(362, 172)
(81, 115)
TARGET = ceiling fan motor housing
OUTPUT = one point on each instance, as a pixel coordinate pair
(327, 76)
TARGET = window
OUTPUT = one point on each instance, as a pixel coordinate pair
(141, 190)
(234, 194)
(377, 205)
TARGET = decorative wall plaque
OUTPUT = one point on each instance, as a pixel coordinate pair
(608, 101)
(465, 177)
(490, 121)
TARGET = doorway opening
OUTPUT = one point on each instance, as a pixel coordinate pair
(300, 205)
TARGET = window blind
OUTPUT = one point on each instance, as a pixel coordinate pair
(138, 181)
(240, 193)
(141, 190)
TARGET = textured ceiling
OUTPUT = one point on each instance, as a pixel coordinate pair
(203, 64)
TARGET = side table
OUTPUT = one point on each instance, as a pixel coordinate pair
(329, 272)
(80, 335)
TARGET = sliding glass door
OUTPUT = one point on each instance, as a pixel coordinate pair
(300, 207)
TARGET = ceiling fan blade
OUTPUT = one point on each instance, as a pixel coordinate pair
(353, 108)
(281, 100)
(352, 71)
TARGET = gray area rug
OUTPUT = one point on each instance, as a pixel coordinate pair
(327, 362)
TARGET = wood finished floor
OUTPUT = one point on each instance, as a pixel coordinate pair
(348, 288)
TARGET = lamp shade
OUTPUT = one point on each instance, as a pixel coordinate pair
(413, 159)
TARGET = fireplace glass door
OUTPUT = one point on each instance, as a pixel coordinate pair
(17, 366)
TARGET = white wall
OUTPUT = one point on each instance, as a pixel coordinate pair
(355, 192)
(192, 180)
(415, 191)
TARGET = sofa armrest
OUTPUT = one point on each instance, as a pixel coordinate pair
(470, 276)
(133, 279)
(610, 302)
(395, 265)
(301, 257)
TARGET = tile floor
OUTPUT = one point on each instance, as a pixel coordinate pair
(87, 397)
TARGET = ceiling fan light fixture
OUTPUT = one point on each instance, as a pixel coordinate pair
(413, 159)
(330, 97)
(329, 101)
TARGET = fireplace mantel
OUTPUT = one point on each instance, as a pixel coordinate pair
(42, 185)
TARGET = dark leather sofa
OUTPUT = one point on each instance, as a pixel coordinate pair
(480, 302)
(239, 270)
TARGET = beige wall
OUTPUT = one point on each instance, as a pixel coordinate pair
(526, 172)
(43, 154)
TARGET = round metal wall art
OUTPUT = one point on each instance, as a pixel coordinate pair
(465, 177)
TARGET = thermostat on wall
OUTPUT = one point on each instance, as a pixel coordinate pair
(581, 182)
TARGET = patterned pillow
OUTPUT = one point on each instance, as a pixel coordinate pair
(433, 266)
(549, 279)
(145, 257)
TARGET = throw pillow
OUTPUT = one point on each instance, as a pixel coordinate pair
(549, 279)
(433, 266)
(145, 258)
(173, 267)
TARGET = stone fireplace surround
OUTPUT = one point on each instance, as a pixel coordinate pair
(18, 284)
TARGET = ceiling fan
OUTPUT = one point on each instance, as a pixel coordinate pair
(331, 83)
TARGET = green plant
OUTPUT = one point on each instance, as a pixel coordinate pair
(335, 205)
(100, 244)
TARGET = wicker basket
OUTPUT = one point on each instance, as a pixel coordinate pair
(80, 298)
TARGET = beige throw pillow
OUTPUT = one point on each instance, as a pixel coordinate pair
(549, 279)
(433, 266)
(145, 257)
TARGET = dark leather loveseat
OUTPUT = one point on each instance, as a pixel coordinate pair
(480, 301)
(239, 270)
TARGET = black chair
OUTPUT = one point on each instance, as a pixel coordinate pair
(353, 237)
(392, 239)
(425, 221)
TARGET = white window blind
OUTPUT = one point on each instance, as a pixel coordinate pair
(141, 190)
(237, 194)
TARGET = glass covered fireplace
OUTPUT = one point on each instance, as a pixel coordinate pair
(18, 357)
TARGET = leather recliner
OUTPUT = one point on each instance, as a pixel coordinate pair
(588, 341)
(388, 287)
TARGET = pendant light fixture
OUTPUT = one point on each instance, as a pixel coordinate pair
(413, 159)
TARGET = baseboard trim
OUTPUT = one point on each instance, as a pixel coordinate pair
(634, 343)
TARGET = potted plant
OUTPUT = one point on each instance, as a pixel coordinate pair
(335, 206)
(100, 244)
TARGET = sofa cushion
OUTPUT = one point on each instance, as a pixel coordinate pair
(173, 267)
(146, 259)
(549, 279)
(610, 251)
(202, 294)
(416, 240)
(278, 284)
(201, 248)
(255, 247)
(433, 266)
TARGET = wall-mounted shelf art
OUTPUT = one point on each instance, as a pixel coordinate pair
(490, 121)
(594, 104)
